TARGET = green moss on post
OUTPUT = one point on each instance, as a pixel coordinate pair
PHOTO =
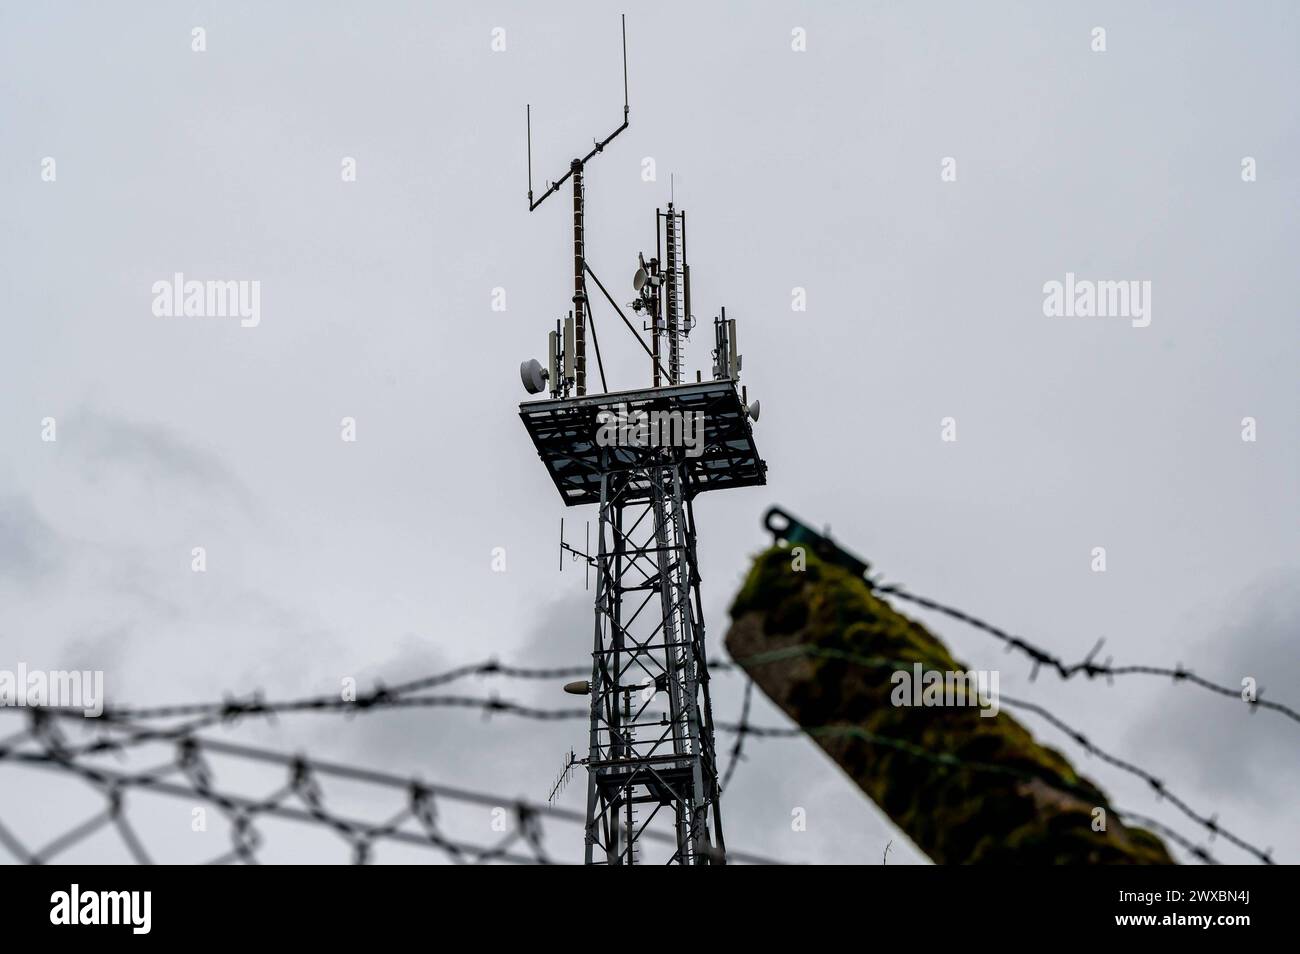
(824, 648)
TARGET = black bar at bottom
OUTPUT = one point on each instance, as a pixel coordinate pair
(329, 905)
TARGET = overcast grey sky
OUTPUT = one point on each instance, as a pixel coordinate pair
(817, 169)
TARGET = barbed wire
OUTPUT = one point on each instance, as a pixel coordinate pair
(133, 734)
(302, 787)
(738, 748)
(257, 705)
(128, 733)
(743, 729)
(1087, 666)
(117, 736)
(189, 774)
(125, 730)
(234, 707)
(943, 760)
(790, 531)
(1209, 823)
(1160, 828)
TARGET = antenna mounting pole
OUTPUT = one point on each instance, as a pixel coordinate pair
(579, 286)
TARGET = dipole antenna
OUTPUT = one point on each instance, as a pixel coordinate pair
(598, 147)
(579, 247)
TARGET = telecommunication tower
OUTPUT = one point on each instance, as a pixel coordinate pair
(651, 762)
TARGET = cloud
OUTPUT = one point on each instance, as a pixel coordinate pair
(500, 749)
(120, 446)
(1223, 746)
(29, 547)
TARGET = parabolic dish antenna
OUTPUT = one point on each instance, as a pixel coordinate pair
(532, 375)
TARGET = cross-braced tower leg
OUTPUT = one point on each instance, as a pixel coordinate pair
(645, 762)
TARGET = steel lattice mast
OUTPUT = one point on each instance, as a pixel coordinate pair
(651, 758)
(644, 759)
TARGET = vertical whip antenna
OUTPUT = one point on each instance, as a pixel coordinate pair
(579, 248)
(598, 147)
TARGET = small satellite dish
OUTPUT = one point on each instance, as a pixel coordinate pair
(639, 279)
(533, 375)
(753, 410)
(579, 688)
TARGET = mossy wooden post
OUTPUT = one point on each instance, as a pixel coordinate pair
(825, 649)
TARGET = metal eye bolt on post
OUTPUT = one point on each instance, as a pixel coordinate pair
(650, 756)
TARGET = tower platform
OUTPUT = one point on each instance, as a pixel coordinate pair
(564, 432)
